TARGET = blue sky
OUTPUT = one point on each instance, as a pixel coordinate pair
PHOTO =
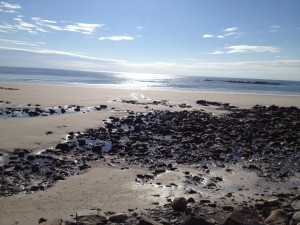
(232, 38)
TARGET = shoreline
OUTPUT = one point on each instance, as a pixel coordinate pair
(117, 87)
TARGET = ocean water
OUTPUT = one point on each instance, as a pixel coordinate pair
(146, 81)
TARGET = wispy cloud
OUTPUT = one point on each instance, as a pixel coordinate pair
(217, 52)
(8, 7)
(17, 42)
(231, 29)
(245, 49)
(62, 53)
(117, 38)
(6, 28)
(84, 28)
(251, 48)
(208, 36)
(274, 28)
(38, 25)
(140, 28)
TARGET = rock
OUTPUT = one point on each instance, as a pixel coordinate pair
(243, 217)
(62, 146)
(179, 204)
(273, 202)
(42, 220)
(146, 220)
(118, 218)
(296, 217)
(97, 149)
(160, 170)
(196, 221)
(91, 219)
(228, 208)
(53, 222)
(277, 216)
(296, 205)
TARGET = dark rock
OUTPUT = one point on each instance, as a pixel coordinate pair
(146, 220)
(41, 220)
(196, 221)
(244, 217)
(118, 218)
(91, 220)
(179, 204)
(62, 146)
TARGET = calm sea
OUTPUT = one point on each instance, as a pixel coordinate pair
(146, 81)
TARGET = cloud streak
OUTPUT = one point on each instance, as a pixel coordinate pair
(117, 38)
(8, 7)
(62, 53)
(246, 49)
(38, 25)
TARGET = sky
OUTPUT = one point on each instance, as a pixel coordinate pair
(232, 38)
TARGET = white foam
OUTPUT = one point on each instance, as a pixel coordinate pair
(137, 96)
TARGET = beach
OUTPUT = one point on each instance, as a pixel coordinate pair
(106, 185)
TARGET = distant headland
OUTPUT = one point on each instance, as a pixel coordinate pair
(246, 82)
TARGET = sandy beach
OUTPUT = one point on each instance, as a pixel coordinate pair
(106, 186)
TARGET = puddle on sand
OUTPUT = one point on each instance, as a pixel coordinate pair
(233, 185)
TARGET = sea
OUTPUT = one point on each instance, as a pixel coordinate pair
(144, 81)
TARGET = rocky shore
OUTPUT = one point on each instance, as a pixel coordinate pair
(262, 140)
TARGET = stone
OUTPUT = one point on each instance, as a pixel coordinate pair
(196, 221)
(179, 204)
(62, 146)
(243, 217)
(273, 201)
(296, 217)
(118, 218)
(277, 216)
(42, 220)
(146, 220)
(91, 219)
(296, 205)
(52, 222)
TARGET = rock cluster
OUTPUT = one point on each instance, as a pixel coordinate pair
(263, 139)
(36, 111)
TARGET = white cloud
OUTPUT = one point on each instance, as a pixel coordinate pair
(231, 29)
(245, 49)
(220, 36)
(274, 28)
(6, 28)
(63, 53)
(217, 52)
(117, 38)
(140, 28)
(8, 7)
(17, 42)
(250, 48)
(39, 25)
(208, 36)
(84, 28)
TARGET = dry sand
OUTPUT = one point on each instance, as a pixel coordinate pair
(103, 187)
